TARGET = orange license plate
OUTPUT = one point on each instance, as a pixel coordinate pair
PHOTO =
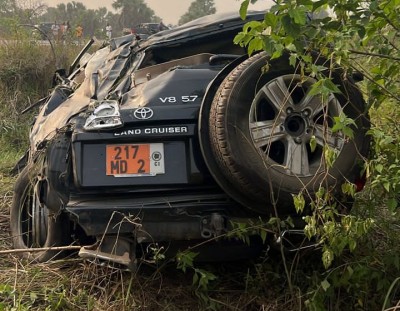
(129, 160)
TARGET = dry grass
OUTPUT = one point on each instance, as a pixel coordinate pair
(75, 284)
(5, 201)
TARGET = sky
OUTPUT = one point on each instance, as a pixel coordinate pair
(170, 10)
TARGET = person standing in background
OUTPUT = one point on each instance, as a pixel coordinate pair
(108, 31)
(55, 30)
(62, 32)
(66, 35)
(67, 26)
(79, 33)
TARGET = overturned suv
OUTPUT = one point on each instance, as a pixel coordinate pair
(172, 140)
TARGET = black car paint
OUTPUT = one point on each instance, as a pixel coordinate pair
(184, 203)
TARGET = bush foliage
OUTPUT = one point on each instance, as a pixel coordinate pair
(361, 251)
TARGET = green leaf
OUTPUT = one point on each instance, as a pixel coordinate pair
(185, 260)
(349, 188)
(269, 45)
(392, 204)
(310, 229)
(343, 123)
(324, 87)
(318, 4)
(330, 156)
(299, 15)
(276, 54)
(352, 244)
(243, 9)
(271, 19)
(299, 202)
(255, 45)
(263, 235)
(203, 278)
(253, 25)
(291, 28)
(350, 271)
(327, 258)
(239, 38)
(386, 185)
(329, 85)
(313, 143)
(379, 168)
(325, 285)
(320, 193)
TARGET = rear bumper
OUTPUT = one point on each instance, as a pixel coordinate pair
(169, 218)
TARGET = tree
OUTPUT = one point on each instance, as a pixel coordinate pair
(92, 21)
(14, 13)
(7, 8)
(354, 28)
(198, 8)
(72, 11)
(23, 11)
(134, 12)
(28, 10)
(357, 38)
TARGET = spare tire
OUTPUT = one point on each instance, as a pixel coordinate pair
(260, 125)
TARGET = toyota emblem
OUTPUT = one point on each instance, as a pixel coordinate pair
(143, 113)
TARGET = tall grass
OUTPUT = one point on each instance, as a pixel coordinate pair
(25, 76)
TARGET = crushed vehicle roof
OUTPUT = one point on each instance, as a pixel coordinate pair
(110, 67)
(203, 26)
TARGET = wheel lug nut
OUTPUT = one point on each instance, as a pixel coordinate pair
(289, 110)
(297, 140)
(306, 113)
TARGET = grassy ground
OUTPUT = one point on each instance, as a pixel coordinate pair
(75, 284)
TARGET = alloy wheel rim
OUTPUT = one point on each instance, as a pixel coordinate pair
(283, 120)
